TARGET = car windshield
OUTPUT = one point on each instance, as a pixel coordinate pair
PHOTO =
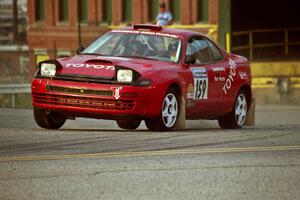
(162, 47)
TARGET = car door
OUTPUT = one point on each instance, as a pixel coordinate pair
(220, 70)
(201, 63)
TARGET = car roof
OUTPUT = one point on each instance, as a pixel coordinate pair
(154, 28)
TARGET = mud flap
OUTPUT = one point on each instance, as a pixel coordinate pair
(180, 124)
(250, 119)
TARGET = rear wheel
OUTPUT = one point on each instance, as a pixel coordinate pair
(129, 124)
(236, 118)
(169, 113)
(48, 119)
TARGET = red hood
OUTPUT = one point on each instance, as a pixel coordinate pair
(104, 66)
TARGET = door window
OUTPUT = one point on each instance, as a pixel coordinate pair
(199, 50)
(202, 51)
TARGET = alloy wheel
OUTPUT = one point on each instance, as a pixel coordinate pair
(169, 110)
(241, 109)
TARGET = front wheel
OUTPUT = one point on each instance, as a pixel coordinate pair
(169, 113)
(129, 124)
(48, 119)
(236, 118)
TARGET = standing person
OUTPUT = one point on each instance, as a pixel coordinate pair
(164, 17)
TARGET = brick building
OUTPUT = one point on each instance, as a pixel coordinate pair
(271, 41)
(13, 25)
(53, 24)
(14, 59)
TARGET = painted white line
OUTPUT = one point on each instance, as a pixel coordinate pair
(149, 153)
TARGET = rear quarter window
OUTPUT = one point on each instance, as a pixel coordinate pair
(217, 54)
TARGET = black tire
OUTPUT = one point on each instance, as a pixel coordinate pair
(159, 124)
(129, 124)
(234, 120)
(48, 120)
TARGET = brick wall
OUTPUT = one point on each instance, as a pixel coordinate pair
(53, 35)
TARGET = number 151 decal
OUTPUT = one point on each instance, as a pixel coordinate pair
(200, 83)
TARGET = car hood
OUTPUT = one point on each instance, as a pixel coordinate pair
(104, 66)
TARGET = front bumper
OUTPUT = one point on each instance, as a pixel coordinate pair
(106, 101)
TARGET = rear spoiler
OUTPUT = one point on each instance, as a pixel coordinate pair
(147, 26)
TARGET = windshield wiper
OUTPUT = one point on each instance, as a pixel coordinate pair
(139, 57)
(93, 54)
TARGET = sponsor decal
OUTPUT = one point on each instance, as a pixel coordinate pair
(218, 69)
(200, 82)
(116, 91)
(232, 74)
(243, 75)
(75, 65)
(190, 91)
(219, 78)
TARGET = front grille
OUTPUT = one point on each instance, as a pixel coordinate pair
(79, 91)
(82, 102)
(84, 79)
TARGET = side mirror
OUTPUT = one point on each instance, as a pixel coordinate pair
(79, 50)
(190, 59)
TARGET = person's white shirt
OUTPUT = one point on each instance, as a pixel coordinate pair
(163, 18)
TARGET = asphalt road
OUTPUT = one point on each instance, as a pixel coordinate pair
(94, 159)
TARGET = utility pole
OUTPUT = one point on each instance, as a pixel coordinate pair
(15, 21)
(79, 22)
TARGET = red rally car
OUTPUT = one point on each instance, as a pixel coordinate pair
(145, 72)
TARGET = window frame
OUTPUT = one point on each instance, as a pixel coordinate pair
(175, 10)
(203, 11)
(63, 11)
(152, 6)
(40, 10)
(83, 15)
(107, 11)
(126, 11)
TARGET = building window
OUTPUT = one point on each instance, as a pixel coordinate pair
(175, 10)
(63, 10)
(202, 11)
(126, 10)
(39, 10)
(106, 10)
(83, 14)
(152, 9)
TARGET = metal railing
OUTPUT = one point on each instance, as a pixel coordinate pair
(13, 90)
(285, 42)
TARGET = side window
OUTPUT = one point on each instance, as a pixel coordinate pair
(215, 51)
(199, 49)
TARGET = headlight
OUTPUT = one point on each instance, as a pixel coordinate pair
(124, 75)
(48, 69)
